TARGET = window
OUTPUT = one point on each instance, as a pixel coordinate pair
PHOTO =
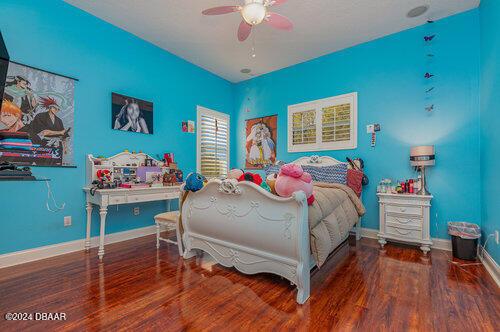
(325, 124)
(212, 143)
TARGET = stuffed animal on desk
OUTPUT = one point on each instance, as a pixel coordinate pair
(292, 178)
(194, 182)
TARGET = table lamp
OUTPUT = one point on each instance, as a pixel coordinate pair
(420, 157)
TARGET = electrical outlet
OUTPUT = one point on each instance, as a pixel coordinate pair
(67, 221)
(497, 237)
(136, 211)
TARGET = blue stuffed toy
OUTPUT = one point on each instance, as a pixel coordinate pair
(194, 182)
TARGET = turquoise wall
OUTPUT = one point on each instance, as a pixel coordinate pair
(388, 75)
(490, 121)
(55, 36)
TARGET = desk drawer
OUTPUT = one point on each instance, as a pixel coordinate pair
(404, 210)
(147, 197)
(402, 221)
(117, 200)
(403, 233)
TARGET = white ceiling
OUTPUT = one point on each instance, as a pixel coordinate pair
(320, 27)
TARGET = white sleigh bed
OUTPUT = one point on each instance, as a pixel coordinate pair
(242, 225)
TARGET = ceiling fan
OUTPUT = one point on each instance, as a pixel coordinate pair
(254, 12)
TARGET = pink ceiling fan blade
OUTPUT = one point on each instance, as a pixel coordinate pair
(279, 21)
(221, 10)
(275, 2)
(244, 31)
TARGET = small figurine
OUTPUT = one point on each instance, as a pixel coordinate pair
(169, 179)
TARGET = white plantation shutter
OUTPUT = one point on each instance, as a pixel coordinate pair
(325, 124)
(213, 143)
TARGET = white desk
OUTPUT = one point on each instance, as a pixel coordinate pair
(105, 197)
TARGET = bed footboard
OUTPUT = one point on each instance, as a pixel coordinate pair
(242, 225)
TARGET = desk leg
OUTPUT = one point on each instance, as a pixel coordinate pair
(103, 211)
(89, 222)
(169, 204)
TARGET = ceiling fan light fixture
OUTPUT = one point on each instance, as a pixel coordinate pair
(254, 12)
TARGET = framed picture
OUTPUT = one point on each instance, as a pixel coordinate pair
(261, 140)
(36, 117)
(131, 114)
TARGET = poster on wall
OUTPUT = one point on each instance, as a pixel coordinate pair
(261, 136)
(131, 114)
(36, 118)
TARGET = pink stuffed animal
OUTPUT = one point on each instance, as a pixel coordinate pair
(292, 178)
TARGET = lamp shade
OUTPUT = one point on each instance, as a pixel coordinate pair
(422, 155)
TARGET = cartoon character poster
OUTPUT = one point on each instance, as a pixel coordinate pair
(261, 139)
(131, 114)
(36, 118)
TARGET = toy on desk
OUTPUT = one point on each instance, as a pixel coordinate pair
(194, 182)
(169, 179)
(103, 175)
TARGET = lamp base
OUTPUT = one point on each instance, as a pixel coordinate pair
(423, 185)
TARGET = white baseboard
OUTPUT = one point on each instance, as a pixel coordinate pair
(30, 255)
(490, 265)
(441, 244)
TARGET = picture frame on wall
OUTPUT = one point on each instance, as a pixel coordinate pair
(131, 114)
(37, 117)
(261, 142)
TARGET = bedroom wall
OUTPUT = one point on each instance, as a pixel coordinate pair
(490, 121)
(388, 74)
(55, 36)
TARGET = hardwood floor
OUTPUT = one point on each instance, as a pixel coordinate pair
(140, 288)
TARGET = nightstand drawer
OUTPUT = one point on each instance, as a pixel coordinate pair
(403, 233)
(404, 221)
(404, 209)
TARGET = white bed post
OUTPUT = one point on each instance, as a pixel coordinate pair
(303, 268)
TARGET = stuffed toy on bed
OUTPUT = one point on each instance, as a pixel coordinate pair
(255, 178)
(235, 173)
(194, 182)
(292, 178)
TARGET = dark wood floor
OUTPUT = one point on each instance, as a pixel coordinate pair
(140, 288)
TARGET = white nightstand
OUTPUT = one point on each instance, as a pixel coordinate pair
(405, 218)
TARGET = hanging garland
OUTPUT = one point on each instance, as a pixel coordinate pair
(429, 76)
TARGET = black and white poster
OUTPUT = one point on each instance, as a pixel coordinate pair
(131, 114)
(36, 118)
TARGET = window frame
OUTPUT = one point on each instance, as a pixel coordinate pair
(318, 105)
(200, 111)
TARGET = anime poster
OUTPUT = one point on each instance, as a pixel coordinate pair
(131, 114)
(261, 139)
(36, 118)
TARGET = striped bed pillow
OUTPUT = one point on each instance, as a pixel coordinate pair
(331, 174)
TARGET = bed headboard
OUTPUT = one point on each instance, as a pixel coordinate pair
(317, 161)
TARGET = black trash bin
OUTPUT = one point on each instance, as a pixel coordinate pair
(464, 239)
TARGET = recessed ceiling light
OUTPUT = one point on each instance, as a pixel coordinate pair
(417, 11)
(246, 71)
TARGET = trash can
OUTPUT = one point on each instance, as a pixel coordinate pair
(464, 238)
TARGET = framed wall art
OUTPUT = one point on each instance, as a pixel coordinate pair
(131, 114)
(36, 117)
(261, 140)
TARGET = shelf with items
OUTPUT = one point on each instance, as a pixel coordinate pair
(130, 170)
